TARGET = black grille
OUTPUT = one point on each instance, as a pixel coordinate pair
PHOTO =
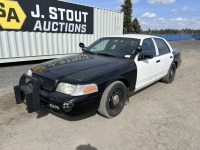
(47, 84)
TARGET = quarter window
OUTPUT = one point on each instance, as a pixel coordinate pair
(148, 47)
(162, 46)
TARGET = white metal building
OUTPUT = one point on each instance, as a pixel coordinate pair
(24, 45)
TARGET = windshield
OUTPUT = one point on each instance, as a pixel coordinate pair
(114, 47)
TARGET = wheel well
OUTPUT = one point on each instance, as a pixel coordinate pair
(125, 82)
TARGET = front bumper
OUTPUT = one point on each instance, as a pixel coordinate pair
(37, 98)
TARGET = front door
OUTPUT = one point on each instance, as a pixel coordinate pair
(146, 69)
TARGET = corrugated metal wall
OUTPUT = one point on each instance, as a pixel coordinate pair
(26, 45)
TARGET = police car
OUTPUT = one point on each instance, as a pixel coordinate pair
(101, 78)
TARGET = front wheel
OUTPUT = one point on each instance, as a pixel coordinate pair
(113, 100)
(169, 78)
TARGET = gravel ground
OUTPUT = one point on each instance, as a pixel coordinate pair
(163, 117)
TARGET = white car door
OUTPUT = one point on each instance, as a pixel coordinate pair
(146, 69)
(165, 56)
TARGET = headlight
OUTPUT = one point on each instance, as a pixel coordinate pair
(76, 90)
(30, 72)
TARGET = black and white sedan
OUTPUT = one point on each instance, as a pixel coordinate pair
(101, 78)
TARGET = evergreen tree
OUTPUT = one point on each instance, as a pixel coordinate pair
(136, 26)
(127, 9)
(149, 31)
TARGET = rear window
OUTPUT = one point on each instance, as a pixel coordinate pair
(162, 46)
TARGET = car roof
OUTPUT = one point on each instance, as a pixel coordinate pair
(135, 36)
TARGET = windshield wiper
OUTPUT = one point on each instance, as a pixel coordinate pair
(104, 54)
(89, 52)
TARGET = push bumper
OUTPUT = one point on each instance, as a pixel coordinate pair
(36, 99)
(32, 96)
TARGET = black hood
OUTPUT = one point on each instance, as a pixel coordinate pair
(79, 67)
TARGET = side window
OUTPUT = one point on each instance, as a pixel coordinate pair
(101, 46)
(148, 47)
(162, 46)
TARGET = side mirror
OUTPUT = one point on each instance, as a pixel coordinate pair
(82, 46)
(139, 49)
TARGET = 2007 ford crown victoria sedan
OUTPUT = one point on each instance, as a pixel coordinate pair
(101, 78)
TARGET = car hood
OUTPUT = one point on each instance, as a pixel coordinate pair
(79, 66)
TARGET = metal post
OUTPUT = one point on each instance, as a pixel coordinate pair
(29, 102)
(36, 96)
(17, 94)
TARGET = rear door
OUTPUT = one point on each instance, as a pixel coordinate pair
(146, 69)
(165, 56)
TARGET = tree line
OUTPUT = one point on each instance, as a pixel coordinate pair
(171, 31)
(133, 26)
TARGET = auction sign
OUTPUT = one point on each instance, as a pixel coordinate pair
(45, 16)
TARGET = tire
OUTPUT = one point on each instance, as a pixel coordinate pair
(113, 100)
(169, 78)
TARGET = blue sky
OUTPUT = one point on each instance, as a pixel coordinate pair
(157, 14)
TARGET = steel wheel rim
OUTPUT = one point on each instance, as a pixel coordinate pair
(115, 100)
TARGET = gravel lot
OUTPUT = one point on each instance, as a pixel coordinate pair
(163, 117)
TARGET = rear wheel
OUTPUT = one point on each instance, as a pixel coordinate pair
(113, 100)
(169, 78)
